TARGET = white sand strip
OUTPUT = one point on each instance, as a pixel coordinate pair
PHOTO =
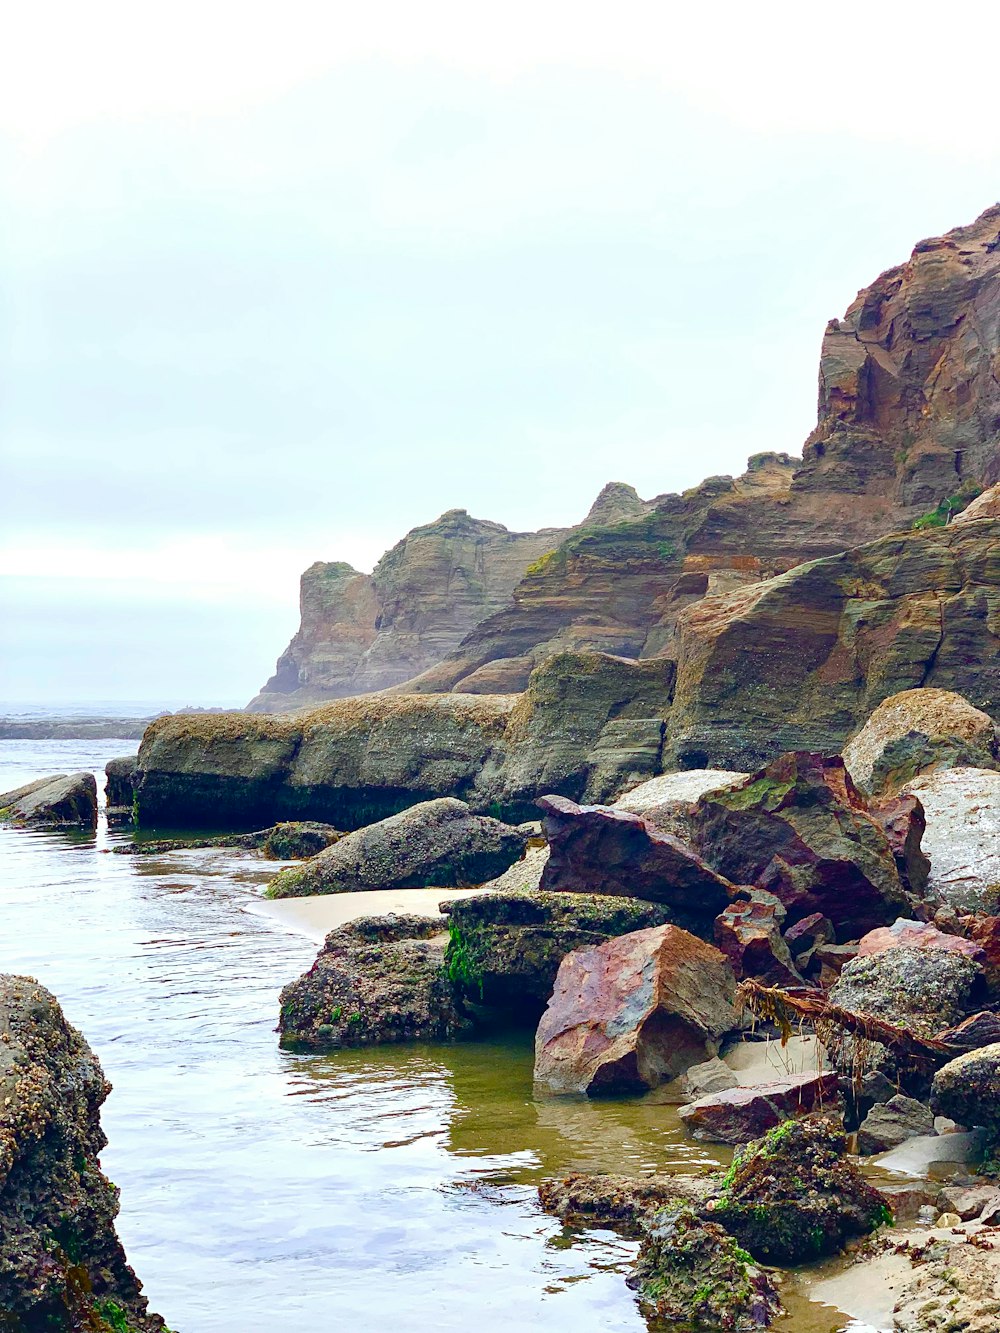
(318, 913)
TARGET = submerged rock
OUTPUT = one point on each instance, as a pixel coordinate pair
(622, 1203)
(439, 843)
(920, 731)
(506, 948)
(962, 808)
(62, 1267)
(633, 1013)
(63, 801)
(968, 1089)
(594, 849)
(800, 830)
(793, 1195)
(690, 1272)
(739, 1114)
(375, 981)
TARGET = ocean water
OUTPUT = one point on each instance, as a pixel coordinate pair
(270, 1192)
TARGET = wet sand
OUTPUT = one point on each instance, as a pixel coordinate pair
(319, 913)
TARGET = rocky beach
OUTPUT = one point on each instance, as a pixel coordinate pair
(658, 856)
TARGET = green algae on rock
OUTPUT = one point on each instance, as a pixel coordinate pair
(793, 1195)
(62, 1266)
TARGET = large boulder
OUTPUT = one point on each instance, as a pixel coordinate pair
(923, 991)
(63, 801)
(920, 731)
(691, 1273)
(506, 947)
(793, 1195)
(800, 830)
(967, 1089)
(633, 1013)
(903, 934)
(668, 800)
(737, 1115)
(438, 843)
(376, 980)
(962, 809)
(594, 849)
(120, 790)
(62, 1267)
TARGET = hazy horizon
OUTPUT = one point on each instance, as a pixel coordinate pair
(280, 287)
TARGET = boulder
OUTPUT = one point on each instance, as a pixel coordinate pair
(922, 990)
(986, 505)
(901, 818)
(888, 1124)
(667, 801)
(969, 1201)
(748, 932)
(633, 1013)
(800, 830)
(375, 981)
(920, 731)
(523, 874)
(505, 947)
(296, 841)
(982, 1029)
(62, 1266)
(962, 808)
(439, 843)
(793, 1195)
(968, 1089)
(691, 1273)
(985, 931)
(63, 801)
(594, 849)
(904, 934)
(741, 1114)
(809, 931)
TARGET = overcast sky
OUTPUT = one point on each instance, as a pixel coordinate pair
(282, 281)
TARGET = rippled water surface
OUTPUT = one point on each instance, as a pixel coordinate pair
(267, 1191)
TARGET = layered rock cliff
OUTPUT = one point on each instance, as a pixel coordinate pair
(365, 632)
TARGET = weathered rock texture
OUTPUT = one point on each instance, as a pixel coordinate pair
(968, 1089)
(364, 632)
(62, 1267)
(916, 732)
(888, 1124)
(800, 830)
(962, 838)
(436, 843)
(377, 980)
(737, 1115)
(63, 801)
(667, 801)
(633, 1013)
(120, 790)
(594, 849)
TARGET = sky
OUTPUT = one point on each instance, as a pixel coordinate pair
(280, 282)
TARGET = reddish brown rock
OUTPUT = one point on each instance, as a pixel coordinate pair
(982, 1029)
(917, 935)
(748, 932)
(742, 1114)
(800, 830)
(902, 820)
(810, 931)
(634, 1013)
(593, 849)
(985, 930)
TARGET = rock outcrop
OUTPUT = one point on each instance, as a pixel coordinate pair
(361, 632)
(62, 1266)
(916, 732)
(64, 801)
(437, 843)
(633, 1013)
(376, 980)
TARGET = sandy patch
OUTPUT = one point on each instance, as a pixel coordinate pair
(319, 913)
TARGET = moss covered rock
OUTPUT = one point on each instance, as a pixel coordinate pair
(793, 1195)
(377, 980)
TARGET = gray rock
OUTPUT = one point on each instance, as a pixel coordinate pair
(968, 1089)
(438, 843)
(666, 801)
(63, 801)
(891, 1123)
(701, 1080)
(962, 838)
